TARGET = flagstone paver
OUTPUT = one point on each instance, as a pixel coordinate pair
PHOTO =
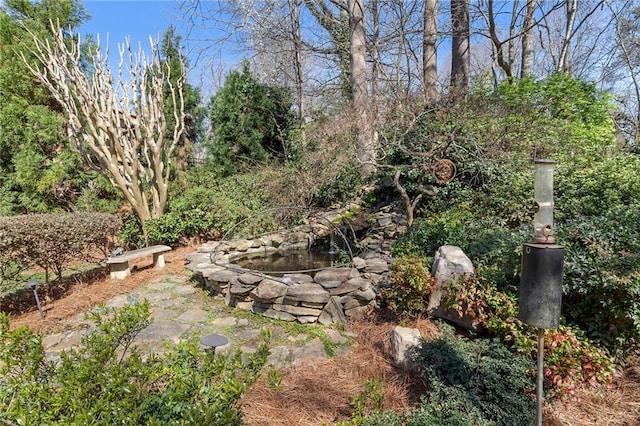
(180, 310)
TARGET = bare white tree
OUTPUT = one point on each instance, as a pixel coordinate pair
(118, 126)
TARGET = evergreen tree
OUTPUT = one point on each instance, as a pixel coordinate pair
(38, 172)
(250, 121)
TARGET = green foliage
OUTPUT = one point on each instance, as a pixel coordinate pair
(251, 121)
(407, 295)
(570, 358)
(602, 276)
(206, 207)
(568, 119)
(108, 381)
(482, 376)
(471, 382)
(40, 172)
(342, 188)
(53, 241)
(367, 402)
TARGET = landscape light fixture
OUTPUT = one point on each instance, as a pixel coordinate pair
(33, 284)
(540, 289)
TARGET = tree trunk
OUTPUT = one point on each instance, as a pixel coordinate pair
(429, 52)
(460, 55)
(572, 6)
(365, 150)
(297, 44)
(527, 40)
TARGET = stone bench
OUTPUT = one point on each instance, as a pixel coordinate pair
(119, 265)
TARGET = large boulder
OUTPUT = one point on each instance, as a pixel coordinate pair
(449, 264)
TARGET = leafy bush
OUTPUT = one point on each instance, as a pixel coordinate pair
(107, 381)
(570, 358)
(407, 294)
(251, 121)
(602, 276)
(342, 188)
(481, 376)
(53, 241)
(208, 209)
(471, 382)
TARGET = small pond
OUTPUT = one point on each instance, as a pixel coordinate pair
(307, 262)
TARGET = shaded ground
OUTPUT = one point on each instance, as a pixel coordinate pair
(318, 391)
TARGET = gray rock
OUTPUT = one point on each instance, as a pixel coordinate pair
(249, 279)
(269, 290)
(449, 264)
(403, 340)
(313, 349)
(330, 284)
(359, 263)
(365, 296)
(376, 266)
(307, 292)
(279, 315)
(278, 357)
(299, 278)
(349, 302)
(345, 288)
(297, 310)
(222, 276)
(335, 274)
(332, 312)
(193, 316)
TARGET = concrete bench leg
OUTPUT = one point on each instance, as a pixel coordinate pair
(158, 260)
(119, 271)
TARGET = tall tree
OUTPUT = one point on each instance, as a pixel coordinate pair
(250, 120)
(337, 24)
(460, 54)
(366, 149)
(120, 131)
(571, 9)
(294, 7)
(429, 51)
(38, 173)
(527, 39)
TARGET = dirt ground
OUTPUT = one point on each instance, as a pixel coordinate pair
(335, 381)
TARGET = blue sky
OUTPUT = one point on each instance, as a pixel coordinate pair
(135, 19)
(140, 19)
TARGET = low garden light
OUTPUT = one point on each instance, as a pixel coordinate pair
(33, 284)
(540, 298)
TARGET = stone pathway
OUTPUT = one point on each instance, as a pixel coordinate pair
(180, 310)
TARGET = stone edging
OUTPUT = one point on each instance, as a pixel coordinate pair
(331, 296)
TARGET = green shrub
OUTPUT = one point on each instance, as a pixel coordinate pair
(407, 295)
(342, 188)
(483, 378)
(570, 358)
(602, 276)
(107, 381)
(53, 241)
(251, 121)
(206, 210)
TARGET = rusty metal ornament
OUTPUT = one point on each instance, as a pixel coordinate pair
(444, 171)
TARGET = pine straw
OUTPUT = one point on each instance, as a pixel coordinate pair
(90, 290)
(619, 406)
(320, 391)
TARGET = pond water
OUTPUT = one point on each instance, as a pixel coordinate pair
(307, 262)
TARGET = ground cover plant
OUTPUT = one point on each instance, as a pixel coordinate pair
(107, 381)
